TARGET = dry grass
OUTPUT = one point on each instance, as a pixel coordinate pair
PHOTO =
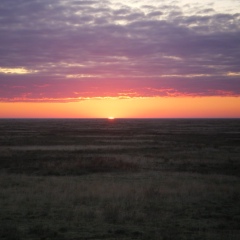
(134, 179)
(142, 205)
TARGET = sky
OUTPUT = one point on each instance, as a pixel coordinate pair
(121, 58)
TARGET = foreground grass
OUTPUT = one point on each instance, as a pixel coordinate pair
(150, 205)
(128, 179)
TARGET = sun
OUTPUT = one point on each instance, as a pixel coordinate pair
(111, 118)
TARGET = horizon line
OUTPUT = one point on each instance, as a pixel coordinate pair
(115, 118)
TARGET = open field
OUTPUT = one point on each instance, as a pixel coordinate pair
(120, 179)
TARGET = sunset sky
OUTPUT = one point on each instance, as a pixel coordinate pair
(121, 58)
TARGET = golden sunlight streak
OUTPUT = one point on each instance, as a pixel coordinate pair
(16, 70)
(152, 107)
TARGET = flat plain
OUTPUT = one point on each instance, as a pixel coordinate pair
(160, 179)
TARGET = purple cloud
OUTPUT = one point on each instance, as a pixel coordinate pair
(80, 49)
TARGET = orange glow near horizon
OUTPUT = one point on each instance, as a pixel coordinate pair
(152, 107)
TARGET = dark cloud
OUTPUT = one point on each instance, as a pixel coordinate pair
(155, 14)
(90, 45)
(89, 2)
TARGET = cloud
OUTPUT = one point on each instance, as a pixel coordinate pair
(105, 48)
(15, 71)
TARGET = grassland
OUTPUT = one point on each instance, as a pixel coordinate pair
(122, 179)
